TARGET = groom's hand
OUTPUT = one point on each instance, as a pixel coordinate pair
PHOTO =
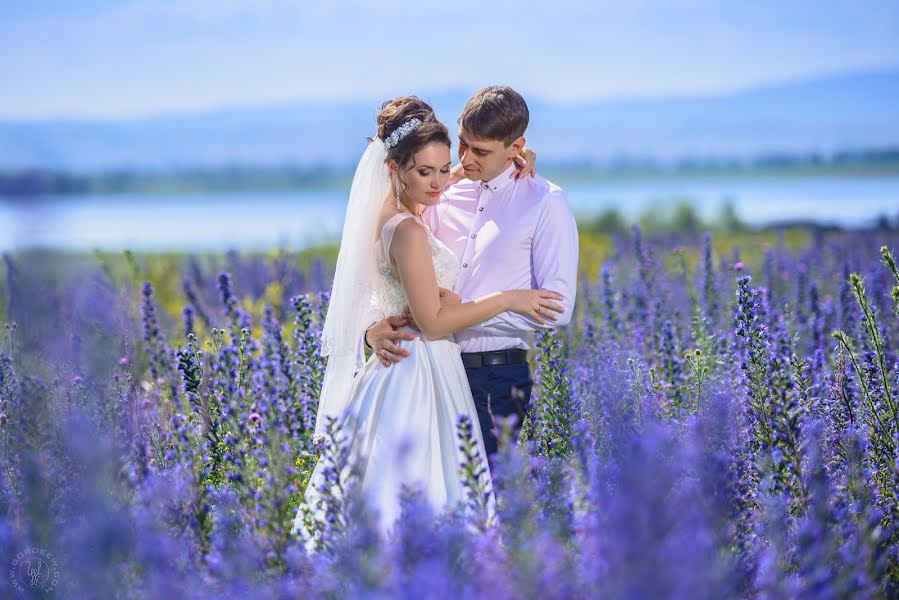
(383, 339)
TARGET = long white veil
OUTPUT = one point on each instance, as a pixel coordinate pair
(355, 282)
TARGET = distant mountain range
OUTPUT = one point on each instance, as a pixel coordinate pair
(850, 111)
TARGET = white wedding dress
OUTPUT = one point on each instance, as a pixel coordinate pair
(401, 420)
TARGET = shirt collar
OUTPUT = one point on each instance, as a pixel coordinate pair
(501, 180)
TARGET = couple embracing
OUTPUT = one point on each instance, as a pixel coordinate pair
(444, 273)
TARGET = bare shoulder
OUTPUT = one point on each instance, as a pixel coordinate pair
(409, 232)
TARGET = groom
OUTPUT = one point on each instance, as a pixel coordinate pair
(508, 233)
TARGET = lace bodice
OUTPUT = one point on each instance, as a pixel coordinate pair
(391, 295)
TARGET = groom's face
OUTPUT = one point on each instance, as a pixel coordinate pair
(485, 159)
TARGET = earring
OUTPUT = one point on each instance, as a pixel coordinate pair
(396, 191)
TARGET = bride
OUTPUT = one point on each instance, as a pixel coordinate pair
(400, 422)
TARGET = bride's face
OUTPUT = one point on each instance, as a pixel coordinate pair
(427, 174)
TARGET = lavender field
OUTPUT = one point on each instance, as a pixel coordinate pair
(720, 420)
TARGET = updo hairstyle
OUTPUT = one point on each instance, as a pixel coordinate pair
(394, 113)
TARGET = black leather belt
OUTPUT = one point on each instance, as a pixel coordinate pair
(476, 360)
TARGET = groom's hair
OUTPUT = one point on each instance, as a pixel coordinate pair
(496, 113)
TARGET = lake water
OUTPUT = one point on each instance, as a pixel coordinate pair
(306, 217)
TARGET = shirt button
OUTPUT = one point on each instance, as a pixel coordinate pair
(464, 265)
(472, 236)
(482, 208)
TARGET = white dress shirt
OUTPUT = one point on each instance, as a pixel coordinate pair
(508, 234)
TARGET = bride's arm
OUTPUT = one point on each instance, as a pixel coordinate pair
(412, 255)
(457, 174)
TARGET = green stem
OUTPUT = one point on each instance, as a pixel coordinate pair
(890, 261)
(841, 337)
(871, 324)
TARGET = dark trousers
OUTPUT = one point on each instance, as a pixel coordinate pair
(500, 391)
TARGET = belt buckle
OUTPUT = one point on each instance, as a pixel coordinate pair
(497, 357)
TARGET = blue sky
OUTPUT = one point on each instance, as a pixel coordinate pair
(122, 58)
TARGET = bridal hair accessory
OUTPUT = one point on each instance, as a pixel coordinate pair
(400, 132)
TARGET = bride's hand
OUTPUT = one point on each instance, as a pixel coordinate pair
(526, 163)
(538, 305)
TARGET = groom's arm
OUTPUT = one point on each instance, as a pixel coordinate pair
(554, 255)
